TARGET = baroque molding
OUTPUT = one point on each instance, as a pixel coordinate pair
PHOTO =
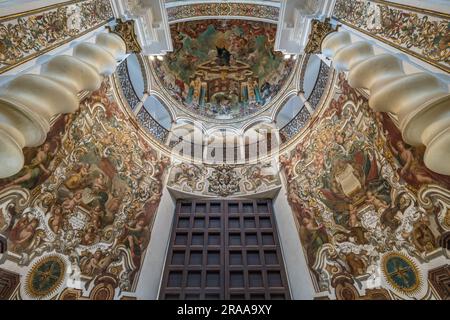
(417, 32)
(125, 30)
(196, 10)
(29, 34)
(319, 30)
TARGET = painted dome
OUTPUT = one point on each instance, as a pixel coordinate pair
(223, 69)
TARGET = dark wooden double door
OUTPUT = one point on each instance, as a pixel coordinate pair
(224, 250)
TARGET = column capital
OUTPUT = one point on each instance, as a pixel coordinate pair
(125, 30)
(319, 30)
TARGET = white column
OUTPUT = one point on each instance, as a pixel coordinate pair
(28, 102)
(141, 103)
(306, 103)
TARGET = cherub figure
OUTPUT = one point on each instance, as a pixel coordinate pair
(57, 219)
(379, 204)
(70, 203)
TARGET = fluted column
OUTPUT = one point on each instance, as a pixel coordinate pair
(28, 102)
(419, 100)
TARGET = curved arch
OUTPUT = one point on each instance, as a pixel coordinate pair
(289, 111)
(158, 111)
(283, 101)
(161, 98)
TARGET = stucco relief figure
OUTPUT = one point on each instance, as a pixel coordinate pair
(392, 216)
(93, 264)
(356, 264)
(423, 238)
(39, 162)
(135, 237)
(189, 175)
(376, 202)
(78, 178)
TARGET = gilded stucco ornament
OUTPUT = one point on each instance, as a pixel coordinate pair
(125, 29)
(319, 30)
(45, 277)
(401, 273)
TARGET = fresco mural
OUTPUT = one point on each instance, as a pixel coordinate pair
(253, 10)
(85, 199)
(224, 180)
(29, 34)
(423, 34)
(367, 208)
(223, 69)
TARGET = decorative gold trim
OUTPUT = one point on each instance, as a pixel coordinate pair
(319, 30)
(410, 52)
(125, 30)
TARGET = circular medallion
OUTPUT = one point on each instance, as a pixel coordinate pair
(401, 273)
(45, 277)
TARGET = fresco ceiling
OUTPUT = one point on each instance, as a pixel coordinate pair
(223, 69)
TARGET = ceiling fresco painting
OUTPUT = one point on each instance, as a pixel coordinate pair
(223, 69)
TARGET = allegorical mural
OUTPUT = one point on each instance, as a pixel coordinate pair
(84, 202)
(423, 34)
(254, 10)
(223, 180)
(370, 214)
(29, 34)
(223, 69)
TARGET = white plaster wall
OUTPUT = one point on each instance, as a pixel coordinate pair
(153, 266)
(299, 278)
